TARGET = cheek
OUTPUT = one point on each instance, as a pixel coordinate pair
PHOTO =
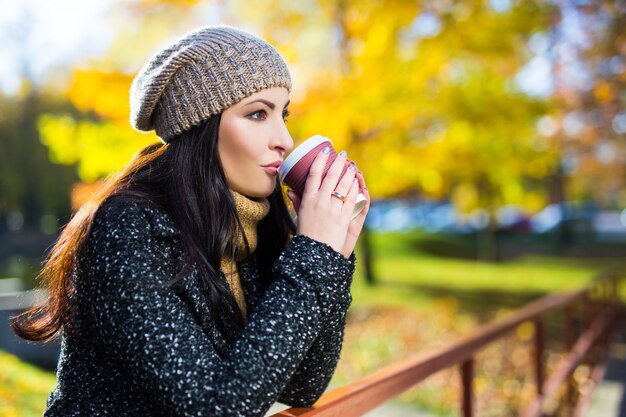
(236, 143)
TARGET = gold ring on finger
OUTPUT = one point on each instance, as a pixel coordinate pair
(339, 196)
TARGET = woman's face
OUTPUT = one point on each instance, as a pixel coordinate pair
(252, 134)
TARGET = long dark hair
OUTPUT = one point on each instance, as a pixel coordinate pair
(186, 179)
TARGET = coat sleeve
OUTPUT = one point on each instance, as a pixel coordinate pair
(151, 334)
(318, 366)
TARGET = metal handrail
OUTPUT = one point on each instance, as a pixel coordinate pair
(365, 394)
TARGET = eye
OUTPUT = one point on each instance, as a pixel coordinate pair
(285, 115)
(258, 115)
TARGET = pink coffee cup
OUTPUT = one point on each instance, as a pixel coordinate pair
(295, 168)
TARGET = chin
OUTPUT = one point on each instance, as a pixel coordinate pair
(256, 194)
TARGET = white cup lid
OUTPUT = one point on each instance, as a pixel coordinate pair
(361, 202)
(297, 154)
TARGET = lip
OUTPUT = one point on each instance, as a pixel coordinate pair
(271, 170)
(274, 164)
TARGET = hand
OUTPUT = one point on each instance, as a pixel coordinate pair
(356, 225)
(326, 218)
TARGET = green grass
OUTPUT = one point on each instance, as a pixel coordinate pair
(407, 275)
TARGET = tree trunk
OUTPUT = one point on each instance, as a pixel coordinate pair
(366, 246)
(488, 243)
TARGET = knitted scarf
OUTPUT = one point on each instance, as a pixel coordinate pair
(250, 212)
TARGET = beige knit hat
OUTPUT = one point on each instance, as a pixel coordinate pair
(200, 75)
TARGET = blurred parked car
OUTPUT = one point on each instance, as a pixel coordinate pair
(577, 217)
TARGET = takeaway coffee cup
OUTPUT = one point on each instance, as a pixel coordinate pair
(295, 168)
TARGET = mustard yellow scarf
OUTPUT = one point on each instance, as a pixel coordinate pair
(251, 212)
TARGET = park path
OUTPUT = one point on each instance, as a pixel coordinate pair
(609, 397)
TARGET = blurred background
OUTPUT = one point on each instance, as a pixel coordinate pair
(491, 133)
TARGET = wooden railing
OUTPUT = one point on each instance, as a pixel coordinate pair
(601, 309)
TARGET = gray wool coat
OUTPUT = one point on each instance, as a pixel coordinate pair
(141, 348)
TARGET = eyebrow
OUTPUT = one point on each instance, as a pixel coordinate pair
(267, 103)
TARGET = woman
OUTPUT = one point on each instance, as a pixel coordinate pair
(180, 289)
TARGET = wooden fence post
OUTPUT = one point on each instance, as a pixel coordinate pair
(467, 379)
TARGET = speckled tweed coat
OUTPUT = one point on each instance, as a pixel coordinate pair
(140, 348)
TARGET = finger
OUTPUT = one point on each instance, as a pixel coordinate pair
(359, 176)
(363, 190)
(348, 206)
(329, 183)
(345, 182)
(314, 177)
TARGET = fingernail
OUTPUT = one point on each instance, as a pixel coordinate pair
(343, 154)
(326, 149)
(352, 167)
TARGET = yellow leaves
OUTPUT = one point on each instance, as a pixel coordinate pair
(534, 201)
(99, 148)
(316, 120)
(431, 63)
(512, 191)
(57, 133)
(105, 93)
(460, 134)
(603, 92)
(431, 181)
(378, 38)
(540, 166)
(415, 113)
(465, 197)
(356, 19)
(525, 331)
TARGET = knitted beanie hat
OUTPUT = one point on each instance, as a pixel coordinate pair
(200, 75)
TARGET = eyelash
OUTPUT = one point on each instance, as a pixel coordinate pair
(264, 113)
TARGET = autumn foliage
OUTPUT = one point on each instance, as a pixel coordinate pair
(424, 96)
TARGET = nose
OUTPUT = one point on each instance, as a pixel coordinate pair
(282, 140)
